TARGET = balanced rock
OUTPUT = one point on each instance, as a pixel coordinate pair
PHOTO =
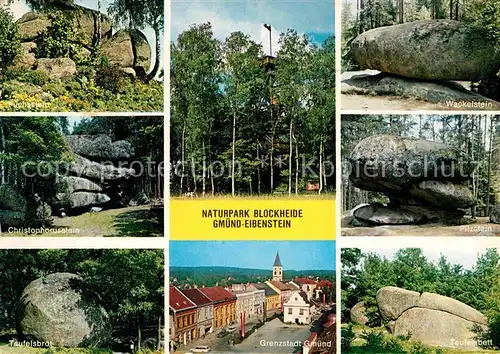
(495, 214)
(380, 214)
(57, 67)
(450, 305)
(391, 164)
(430, 318)
(62, 309)
(393, 301)
(444, 194)
(32, 24)
(128, 48)
(358, 313)
(430, 50)
(100, 147)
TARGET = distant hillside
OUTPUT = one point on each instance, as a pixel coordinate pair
(211, 276)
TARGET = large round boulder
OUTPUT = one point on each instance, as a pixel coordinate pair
(57, 67)
(431, 50)
(391, 164)
(393, 301)
(26, 58)
(11, 198)
(437, 328)
(63, 310)
(128, 48)
(358, 313)
(98, 171)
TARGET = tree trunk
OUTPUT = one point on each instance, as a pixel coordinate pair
(139, 334)
(258, 170)
(290, 159)
(2, 135)
(156, 67)
(233, 167)
(193, 171)
(320, 166)
(204, 169)
(490, 152)
(296, 165)
(160, 337)
(183, 157)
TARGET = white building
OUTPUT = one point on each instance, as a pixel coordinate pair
(298, 309)
(249, 300)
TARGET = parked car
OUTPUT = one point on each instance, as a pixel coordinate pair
(201, 349)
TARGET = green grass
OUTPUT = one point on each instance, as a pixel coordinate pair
(124, 222)
(359, 344)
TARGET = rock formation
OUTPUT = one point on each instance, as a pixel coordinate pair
(60, 308)
(429, 50)
(93, 179)
(430, 318)
(358, 313)
(422, 179)
(128, 49)
(32, 24)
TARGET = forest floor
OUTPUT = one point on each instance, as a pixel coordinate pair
(482, 227)
(134, 221)
(361, 91)
(359, 348)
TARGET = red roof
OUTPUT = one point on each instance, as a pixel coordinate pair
(324, 283)
(196, 296)
(179, 301)
(217, 294)
(305, 281)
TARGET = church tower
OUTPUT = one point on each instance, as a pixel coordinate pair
(277, 268)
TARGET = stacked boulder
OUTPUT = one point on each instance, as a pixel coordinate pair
(424, 180)
(421, 59)
(430, 318)
(128, 49)
(61, 309)
(93, 179)
(429, 50)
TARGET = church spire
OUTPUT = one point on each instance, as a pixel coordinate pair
(277, 261)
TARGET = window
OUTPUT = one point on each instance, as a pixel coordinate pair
(290, 311)
(179, 323)
(301, 312)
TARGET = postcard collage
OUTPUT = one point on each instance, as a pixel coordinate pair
(249, 176)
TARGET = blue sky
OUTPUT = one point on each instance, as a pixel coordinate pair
(313, 17)
(296, 255)
(19, 8)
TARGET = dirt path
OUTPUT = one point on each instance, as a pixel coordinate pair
(385, 103)
(481, 228)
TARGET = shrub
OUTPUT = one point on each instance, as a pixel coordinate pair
(9, 42)
(60, 39)
(346, 338)
(111, 78)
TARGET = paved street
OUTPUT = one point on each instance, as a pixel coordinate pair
(262, 341)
